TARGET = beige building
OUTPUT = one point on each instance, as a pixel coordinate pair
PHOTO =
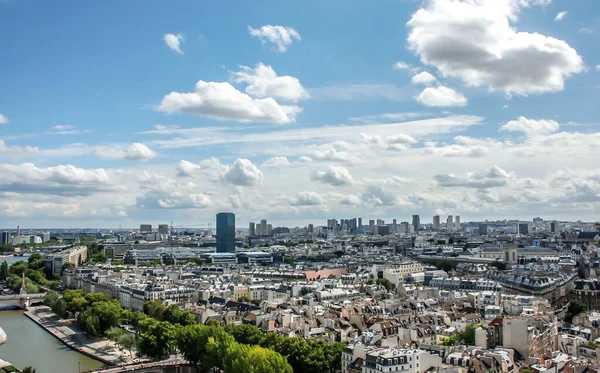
(53, 263)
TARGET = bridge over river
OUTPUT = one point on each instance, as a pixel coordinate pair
(21, 300)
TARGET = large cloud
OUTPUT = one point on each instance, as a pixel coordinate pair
(220, 100)
(278, 35)
(334, 175)
(65, 180)
(263, 81)
(531, 127)
(475, 41)
(243, 173)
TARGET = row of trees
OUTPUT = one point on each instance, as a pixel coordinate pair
(161, 331)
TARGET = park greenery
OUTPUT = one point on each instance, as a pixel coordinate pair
(466, 337)
(35, 278)
(387, 284)
(161, 330)
(574, 309)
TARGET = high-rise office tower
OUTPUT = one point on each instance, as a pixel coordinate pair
(449, 225)
(380, 222)
(359, 224)
(416, 222)
(5, 238)
(372, 226)
(163, 229)
(332, 225)
(251, 229)
(554, 227)
(483, 228)
(18, 231)
(263, 227)
(269, 230)
(457, 222)
(523, 229)
(311, 228)
(145, 228)
(225, 232)
(436, 222)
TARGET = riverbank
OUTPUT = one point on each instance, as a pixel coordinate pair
(68, 333)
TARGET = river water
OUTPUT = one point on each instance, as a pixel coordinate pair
(29, 344)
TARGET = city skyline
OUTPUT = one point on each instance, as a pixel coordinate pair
(206, 107)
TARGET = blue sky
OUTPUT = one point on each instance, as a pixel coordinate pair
(119, 112)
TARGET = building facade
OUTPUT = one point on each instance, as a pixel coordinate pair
(225, 232)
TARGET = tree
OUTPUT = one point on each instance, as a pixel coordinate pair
(93, 298)
(4, 271)
(155, 309)
(18, 268)
(256, 302)
(127, 341)
(29, 369)
(159, 341)
(574, 309)
(113, 334)
(468, 335)
(387, 284)
(60, 308)
(244, 299)
(50, 298)
(172, 314)
(67, 265)
(206, 344)
(251, 359)
(245, 334)
(69, 294)
(108, 314)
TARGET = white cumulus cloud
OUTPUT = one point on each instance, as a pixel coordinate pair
(492, 178)
(350, 199)
(278, 35)
(276, 162)
(3, 119)
(531, 127)
(222, 101)
(305, 198)
(423, 78)
(135, 152)
(476, 42)
(174, 41)
(64, 180)
(334, 175)
(263, 81)
(243, 173)
(441, 96)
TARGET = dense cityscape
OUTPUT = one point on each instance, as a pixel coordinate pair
(317, 186)
(345, 296)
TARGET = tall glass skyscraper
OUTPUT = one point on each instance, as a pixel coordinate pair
(225, 232)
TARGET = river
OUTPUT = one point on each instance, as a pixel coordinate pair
(13, 259)
(29, 344)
